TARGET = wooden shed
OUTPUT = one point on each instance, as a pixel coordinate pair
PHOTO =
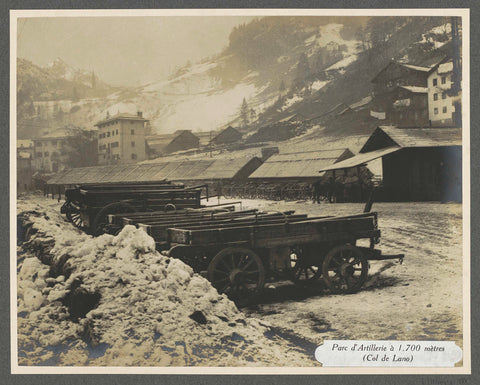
(184, 140)
(419, 164)
(227, 136)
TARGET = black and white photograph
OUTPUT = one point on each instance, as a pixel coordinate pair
(242, 191)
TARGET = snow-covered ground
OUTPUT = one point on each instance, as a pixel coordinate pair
(146, 302)
(420, 299)
(145, 309)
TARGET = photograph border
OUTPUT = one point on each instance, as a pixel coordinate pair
(253, 370)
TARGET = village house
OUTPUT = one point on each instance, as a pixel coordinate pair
(25, 145)
(49, 151)
(441, 102)
(410, 106)
(227, 136)
(400, 90)
(183, 140)
(121, 139)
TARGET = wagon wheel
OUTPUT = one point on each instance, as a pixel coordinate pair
(101, 219)
(236, 270)
(345, 269)
(72, 212)
(303, 272)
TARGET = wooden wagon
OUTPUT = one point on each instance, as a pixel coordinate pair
(88, 206)
(239, 251)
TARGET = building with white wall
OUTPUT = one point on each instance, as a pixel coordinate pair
(49, 151)
(121, 139)
(441, 107)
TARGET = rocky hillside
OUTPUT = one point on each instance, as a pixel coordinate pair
(280, 66)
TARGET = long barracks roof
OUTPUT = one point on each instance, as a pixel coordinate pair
(299, 164)
(181, 170)
(122, 116)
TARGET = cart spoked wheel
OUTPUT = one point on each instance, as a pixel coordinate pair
(303, 272)
(235, 271)
(100, 222)
(72, 212)
(345, 269)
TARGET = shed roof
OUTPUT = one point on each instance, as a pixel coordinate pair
(299, 164)
(361, 159)
(173, 170)
(387, 136)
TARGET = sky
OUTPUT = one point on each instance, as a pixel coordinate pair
(125, 51)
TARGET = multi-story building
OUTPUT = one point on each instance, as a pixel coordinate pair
(49, 153)
(441, 102)
(121, 139)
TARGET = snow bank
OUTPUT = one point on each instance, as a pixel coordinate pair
(114, 300)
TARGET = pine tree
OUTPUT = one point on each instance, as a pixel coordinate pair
(244, 113)
(282, 87)
(253, 115)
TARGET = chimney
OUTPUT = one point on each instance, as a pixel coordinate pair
(108, 114)
(140, 114)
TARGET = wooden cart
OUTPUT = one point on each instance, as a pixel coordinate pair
(88, 206)
(239, 252)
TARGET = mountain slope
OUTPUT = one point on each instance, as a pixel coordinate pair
(281, 66)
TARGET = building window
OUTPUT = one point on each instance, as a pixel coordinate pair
(444, 79)
(132, 131)
(108, 134)
(46, 154)
(116, 131)
(100, 148)
(134, 156)
(435, 111)
(39, 154)
(444, 110)
(435, 81)
(435, 96)
(133, 144)
(444, 95)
